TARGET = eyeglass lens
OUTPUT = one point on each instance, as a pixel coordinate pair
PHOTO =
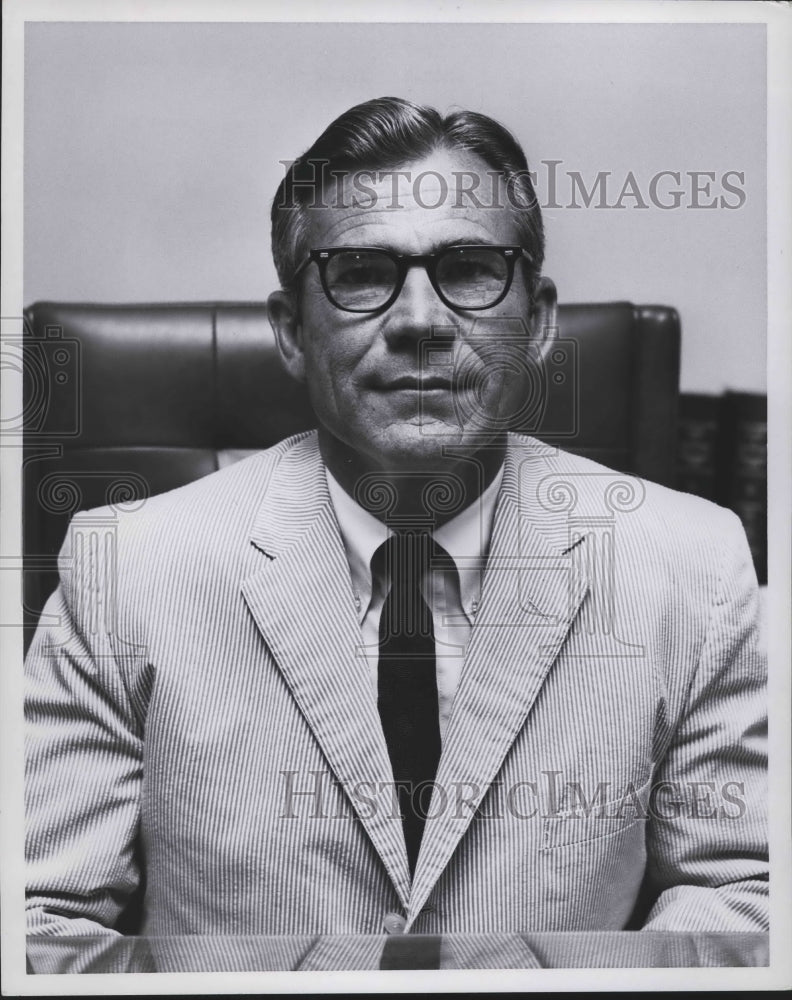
(470, 277)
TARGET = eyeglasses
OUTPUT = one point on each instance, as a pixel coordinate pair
(369, 279)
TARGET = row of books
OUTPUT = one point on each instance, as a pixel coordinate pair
(722, 456)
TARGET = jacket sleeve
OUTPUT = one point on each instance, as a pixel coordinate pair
(707, 832)
(83, 751)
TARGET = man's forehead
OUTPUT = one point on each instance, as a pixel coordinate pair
(447, 188)
(444, 176)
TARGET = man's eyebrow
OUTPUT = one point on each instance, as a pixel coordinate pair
(473, 241)
(435, 247)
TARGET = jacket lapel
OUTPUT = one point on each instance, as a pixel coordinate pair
(533, 588)
(302, 603)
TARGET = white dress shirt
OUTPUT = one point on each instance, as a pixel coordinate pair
(453, 595)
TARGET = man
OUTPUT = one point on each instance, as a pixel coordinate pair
(376, 679)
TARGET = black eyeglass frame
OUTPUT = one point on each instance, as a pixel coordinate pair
(511, 253)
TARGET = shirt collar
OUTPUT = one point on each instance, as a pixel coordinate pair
(465, 538)
(361, 533)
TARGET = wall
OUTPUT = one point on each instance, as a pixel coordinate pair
(152, 153)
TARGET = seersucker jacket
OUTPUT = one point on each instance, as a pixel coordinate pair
(199, 712)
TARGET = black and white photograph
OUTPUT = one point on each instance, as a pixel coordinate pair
(396, 497)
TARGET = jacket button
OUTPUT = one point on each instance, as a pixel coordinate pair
(394, 923)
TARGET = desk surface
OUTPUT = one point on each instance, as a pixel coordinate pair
(559, 950)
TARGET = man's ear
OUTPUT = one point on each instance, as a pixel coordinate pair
(285, 322)
(544, 317)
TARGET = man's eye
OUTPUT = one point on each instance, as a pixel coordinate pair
(360, 275)
(467, 270)
(359, 271)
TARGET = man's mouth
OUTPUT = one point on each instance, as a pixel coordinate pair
(415, 383)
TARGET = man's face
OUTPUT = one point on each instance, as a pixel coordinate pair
(397, 388)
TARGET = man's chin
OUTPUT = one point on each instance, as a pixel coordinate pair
(431, 446)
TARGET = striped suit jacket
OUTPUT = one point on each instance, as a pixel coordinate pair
(198, 710)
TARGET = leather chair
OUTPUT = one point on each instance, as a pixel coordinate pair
(125, 401)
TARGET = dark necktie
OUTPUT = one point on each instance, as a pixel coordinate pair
(407, 681)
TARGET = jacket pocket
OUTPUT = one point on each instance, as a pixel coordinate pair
(598, 820)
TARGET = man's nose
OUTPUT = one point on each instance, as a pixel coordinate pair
(417, 311)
